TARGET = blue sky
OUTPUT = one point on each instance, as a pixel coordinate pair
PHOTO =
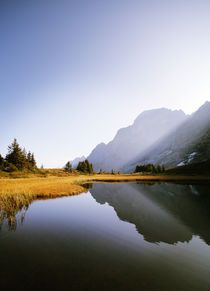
(73, 72)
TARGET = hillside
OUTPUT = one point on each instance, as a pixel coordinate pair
(147, 129)
(188, 143)
(191, 169)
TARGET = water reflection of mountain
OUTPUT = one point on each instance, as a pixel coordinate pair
(161, 212)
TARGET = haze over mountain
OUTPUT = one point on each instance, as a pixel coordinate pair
(149, 127)
(188, 143)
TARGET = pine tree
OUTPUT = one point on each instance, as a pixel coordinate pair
(32, 161)
(68, 167)
(29, 157)
(1, 162)
(16, 156)
(85, 167)
(19, 158)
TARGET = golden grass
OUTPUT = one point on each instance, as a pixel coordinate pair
(50, 186)
(42, 187)
(36, 173)
(17, 194)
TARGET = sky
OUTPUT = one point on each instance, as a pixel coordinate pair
(72, 72)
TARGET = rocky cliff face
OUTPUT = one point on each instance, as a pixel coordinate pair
(188, 143)
(149, 127)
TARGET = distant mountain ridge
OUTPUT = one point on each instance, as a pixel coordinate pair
(149, 127)
(188, 143)
(158, 136)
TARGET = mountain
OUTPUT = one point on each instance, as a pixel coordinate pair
(188, 143)
(76, 161)
(97, 156)
(202, 168)
(147, 129)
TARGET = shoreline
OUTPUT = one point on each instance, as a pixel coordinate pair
(18, 193)
(53, 186)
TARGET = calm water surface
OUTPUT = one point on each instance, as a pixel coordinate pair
(115, 237)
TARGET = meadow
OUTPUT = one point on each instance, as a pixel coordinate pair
(19, 189)
(55, 183)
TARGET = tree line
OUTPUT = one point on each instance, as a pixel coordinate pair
(84, 167)
(17, 159)
(150, 168)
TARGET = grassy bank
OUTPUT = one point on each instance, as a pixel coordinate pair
(59, 183)
(16, 194)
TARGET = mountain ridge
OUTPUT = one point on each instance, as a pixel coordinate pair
(131, 140)
(158, 136)
(189, 143)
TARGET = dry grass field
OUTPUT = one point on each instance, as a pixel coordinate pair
(58, 183)
(43, 187)
(16, 194)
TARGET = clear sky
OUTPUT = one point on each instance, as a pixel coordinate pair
(73, 72)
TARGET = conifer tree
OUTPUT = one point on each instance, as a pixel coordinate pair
(1, 162)
(68, 167)
(85, 167)
(32, 161)
(15, 155)
(29, 156)
(18, 159)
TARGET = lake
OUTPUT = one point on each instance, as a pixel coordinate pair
(120, 236)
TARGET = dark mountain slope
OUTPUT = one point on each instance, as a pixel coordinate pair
(202, 168)
(188, 143)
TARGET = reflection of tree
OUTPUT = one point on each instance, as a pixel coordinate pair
(13, 209)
